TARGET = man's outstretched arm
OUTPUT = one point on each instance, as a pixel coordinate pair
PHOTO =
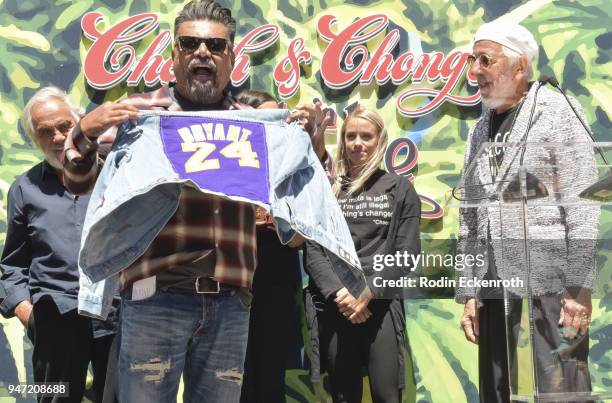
(81, 147)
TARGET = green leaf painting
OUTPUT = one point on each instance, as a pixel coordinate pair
(41, 43)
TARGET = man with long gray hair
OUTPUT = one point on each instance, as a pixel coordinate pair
(39, 260)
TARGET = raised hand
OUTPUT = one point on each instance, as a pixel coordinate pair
(105, 116)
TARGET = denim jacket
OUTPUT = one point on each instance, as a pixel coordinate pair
(138, 191)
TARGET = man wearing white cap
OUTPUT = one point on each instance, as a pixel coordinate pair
(517, 110)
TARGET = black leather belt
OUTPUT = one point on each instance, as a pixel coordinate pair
(195, 277)
(197, 285)
(206, 285)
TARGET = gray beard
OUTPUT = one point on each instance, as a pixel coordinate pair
(201, 92)
(491, 103)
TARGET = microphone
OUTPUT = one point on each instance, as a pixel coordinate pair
(553, 81)
(544, 79)
(602, 189)
(535, 188)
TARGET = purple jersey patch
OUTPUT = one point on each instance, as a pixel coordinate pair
(219, 155)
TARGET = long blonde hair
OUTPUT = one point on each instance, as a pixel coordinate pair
(373, 163)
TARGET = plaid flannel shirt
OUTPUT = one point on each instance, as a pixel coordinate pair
(202, 223)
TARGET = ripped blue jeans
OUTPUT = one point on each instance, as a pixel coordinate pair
(201, 336)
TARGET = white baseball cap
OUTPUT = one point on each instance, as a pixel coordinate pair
(513, 36)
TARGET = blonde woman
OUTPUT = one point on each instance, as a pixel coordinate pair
(349, 332)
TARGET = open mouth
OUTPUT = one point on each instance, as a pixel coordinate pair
(202, 72)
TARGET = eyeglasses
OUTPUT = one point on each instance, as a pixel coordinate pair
(484, 59)
(190, 44)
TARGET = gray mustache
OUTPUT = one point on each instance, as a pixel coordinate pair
(203, 63)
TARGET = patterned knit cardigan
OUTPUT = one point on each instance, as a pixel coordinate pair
(562, 229)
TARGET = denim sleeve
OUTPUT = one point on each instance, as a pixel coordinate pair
(16, 257)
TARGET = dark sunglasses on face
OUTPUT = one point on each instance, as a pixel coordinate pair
(190, 44)
(485, 60)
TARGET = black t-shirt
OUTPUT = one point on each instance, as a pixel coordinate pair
(276, 263)
(368, 214)
(501, 124)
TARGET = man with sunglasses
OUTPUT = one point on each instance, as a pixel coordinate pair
(514, 109)
(178, 319)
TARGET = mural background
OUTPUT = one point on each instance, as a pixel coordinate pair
(41, 43)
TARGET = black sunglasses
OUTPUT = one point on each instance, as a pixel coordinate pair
(190, 44)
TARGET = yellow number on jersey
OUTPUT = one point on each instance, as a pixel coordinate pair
(198, 162)
(243, 152)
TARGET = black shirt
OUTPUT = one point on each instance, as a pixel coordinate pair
(368, 214)
(328, 273)
(277, 264)
(501, 125)
(40, 253)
